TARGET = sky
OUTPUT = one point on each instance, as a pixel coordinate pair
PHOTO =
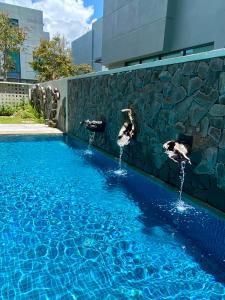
(70, 18)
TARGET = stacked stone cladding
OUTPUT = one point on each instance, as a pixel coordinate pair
(184, 98)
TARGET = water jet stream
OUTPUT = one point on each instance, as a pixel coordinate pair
(90, 143)
(182, 176)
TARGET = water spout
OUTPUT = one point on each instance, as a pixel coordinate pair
(120, 158)
(94, 126)
(182, 176)
(90, 143)
(120, 171)
(125, 135)
(177, 151)
(127, 131)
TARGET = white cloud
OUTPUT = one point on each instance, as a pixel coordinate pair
(66, 17)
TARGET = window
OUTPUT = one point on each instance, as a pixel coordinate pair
(199, 49)
(173, 54)
(16, 72)
(188, 51)
(149, 59)
(133, 63)
(14, 22)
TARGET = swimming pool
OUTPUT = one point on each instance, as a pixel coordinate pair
(70, 228)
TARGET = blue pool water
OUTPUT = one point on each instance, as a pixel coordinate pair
(72, 229)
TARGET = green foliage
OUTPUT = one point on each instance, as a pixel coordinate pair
(53, 60)
(7, 110)
(23, 110)
(82, 69)
(11, 40)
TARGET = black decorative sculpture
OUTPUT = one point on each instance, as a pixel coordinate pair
(178, 150)
(94, 126)
(55, 97)
(127, 131)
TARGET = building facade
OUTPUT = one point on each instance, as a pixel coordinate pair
(32, 22)
(88, 48)
(140, 31)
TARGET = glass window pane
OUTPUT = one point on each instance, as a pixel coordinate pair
(150, 59)
(16, 72)
(199, 49)
(174, 54)
(133, 63)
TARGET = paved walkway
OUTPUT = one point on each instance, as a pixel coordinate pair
(27, 129)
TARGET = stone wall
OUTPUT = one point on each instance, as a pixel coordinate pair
(168, 100)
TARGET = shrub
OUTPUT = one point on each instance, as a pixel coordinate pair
(23, 110)
(7, 110)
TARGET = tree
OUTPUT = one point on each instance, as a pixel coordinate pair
(53, 60)
(83, 69)
(11, 40)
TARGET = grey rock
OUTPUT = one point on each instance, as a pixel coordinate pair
(173, 68)
(158, 97)
(177, 77)
(203, 69)
(194, 85)
(206, 100)
(196, 156)
(222, 99)
(204, 126)
(122, 85)
(221, 156)
(175, 95)
(182, 108)
(196, 113)
(217, 122)
(158, 86)
(138, 83)
(167, 90)
(216, 64)
(222, 83)
(148, 76)
(185, 82)
(217, 110)
(212, 79)
(165, 76)
(155, 107)
(222, 142)
(180, 127)
(189, 68)
(215, 133)
(208, 162)
(220, 176)
(155, 76)
(141, 73)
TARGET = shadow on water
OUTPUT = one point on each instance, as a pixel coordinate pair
(198, 228)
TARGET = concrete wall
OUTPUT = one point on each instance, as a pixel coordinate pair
(133, 29)
(141, 28)
(88, 48)
(82, 49)
(13, 93)
(97, 28)
(192, 23)
(32, 21)
(170, 97)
